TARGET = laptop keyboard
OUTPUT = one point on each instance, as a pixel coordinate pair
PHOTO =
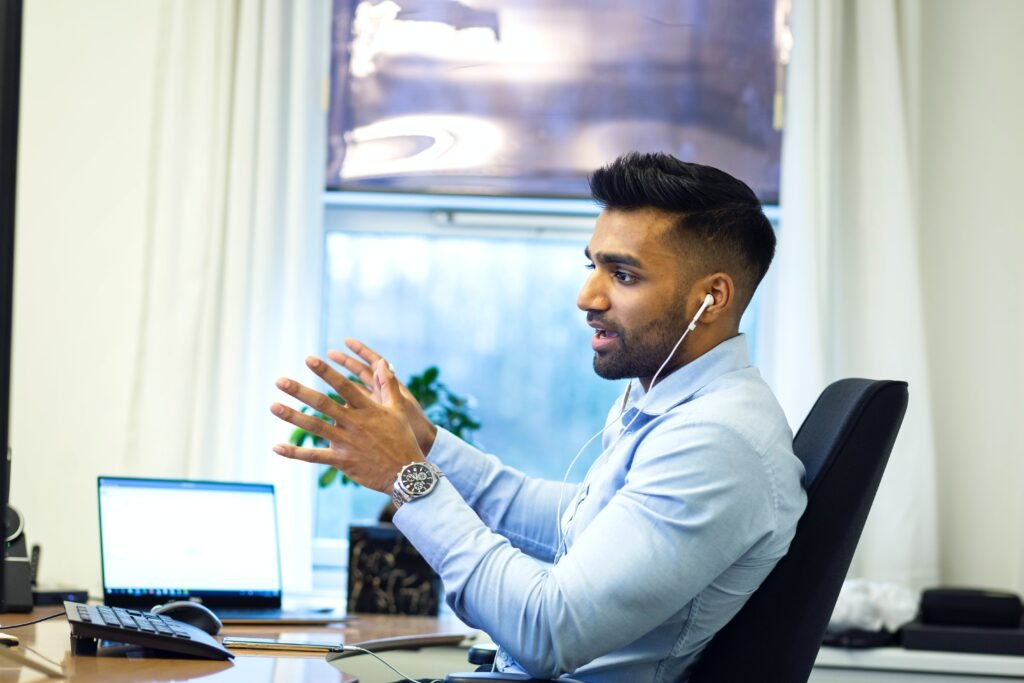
(92, 624)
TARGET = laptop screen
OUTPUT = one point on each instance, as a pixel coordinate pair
(163, 539)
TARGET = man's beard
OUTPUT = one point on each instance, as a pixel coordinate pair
(642, 351)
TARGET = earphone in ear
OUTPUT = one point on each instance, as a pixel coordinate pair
(708, 300)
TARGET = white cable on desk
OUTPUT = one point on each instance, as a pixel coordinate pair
(350, 648)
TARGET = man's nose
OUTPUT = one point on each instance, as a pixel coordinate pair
(591, 296)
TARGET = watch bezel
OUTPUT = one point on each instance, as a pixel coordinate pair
(431, 474)
(401, 495)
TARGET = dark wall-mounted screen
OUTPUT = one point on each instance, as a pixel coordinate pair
(526, 97)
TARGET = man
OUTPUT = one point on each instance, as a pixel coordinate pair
(696, 495)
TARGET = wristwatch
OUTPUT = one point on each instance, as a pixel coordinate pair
(415, 480)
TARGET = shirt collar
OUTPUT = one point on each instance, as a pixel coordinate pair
(686, 381)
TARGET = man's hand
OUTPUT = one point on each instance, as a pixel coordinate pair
(422, 427)
(370, 440)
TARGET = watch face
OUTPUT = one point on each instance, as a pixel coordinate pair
(418, 479)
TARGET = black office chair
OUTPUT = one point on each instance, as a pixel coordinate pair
(844, 444)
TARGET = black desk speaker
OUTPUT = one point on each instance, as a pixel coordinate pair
(17, 595)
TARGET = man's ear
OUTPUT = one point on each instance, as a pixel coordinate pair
(722, 288)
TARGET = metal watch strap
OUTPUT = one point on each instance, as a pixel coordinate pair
(398, 495)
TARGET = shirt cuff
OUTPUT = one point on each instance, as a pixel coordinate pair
(419, 520)
(446, 446)
(463, 465)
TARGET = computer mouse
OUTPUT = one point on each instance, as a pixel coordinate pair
(193, 613)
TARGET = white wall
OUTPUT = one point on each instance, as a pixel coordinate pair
(86, 107)
(86, 95)
(972, 244)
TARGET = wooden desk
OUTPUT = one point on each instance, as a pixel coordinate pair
(51, 639)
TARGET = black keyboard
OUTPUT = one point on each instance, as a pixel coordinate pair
(91, 624)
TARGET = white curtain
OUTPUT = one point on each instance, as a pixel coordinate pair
(231, 273)
(846, 290)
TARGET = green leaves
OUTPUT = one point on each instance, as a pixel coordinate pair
(442, 406)
(329, 475)
(300, 436)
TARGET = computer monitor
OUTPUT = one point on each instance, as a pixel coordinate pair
(10, 76)
(183, 539)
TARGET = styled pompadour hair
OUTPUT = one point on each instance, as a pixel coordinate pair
(720, 211)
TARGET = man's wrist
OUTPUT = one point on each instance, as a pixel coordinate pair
(428, 441)
(415, 480)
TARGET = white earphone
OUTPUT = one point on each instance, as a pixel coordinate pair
(708, 301)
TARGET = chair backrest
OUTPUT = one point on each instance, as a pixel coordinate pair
(844, 444)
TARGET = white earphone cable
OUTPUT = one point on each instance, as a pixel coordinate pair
(708, 300)
(354, 648)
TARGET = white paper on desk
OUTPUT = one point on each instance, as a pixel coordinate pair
(871, 605)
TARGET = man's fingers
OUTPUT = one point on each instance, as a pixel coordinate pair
(313, 425)
(360, 370)
(347, 389)
(317, 455)
(386, 382)
(313, 399)
(362, 350)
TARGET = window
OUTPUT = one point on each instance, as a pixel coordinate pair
(460, 136)
(489, 298)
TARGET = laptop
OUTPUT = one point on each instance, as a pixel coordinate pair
(163, 540)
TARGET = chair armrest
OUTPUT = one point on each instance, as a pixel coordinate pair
(483, 654)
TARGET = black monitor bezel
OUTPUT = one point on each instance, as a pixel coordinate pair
(10, 82)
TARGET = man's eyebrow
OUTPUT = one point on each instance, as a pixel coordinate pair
(611, 257)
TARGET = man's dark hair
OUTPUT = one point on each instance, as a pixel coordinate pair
(722, 212)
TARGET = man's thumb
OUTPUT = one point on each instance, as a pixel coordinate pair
(386, 382)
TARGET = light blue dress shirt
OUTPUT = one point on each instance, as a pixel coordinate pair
(676, 524)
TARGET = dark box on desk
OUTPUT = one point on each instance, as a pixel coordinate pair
(386, 575)
(970, 607)
(979, 639)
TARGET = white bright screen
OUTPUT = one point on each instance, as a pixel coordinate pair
(189, 535)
